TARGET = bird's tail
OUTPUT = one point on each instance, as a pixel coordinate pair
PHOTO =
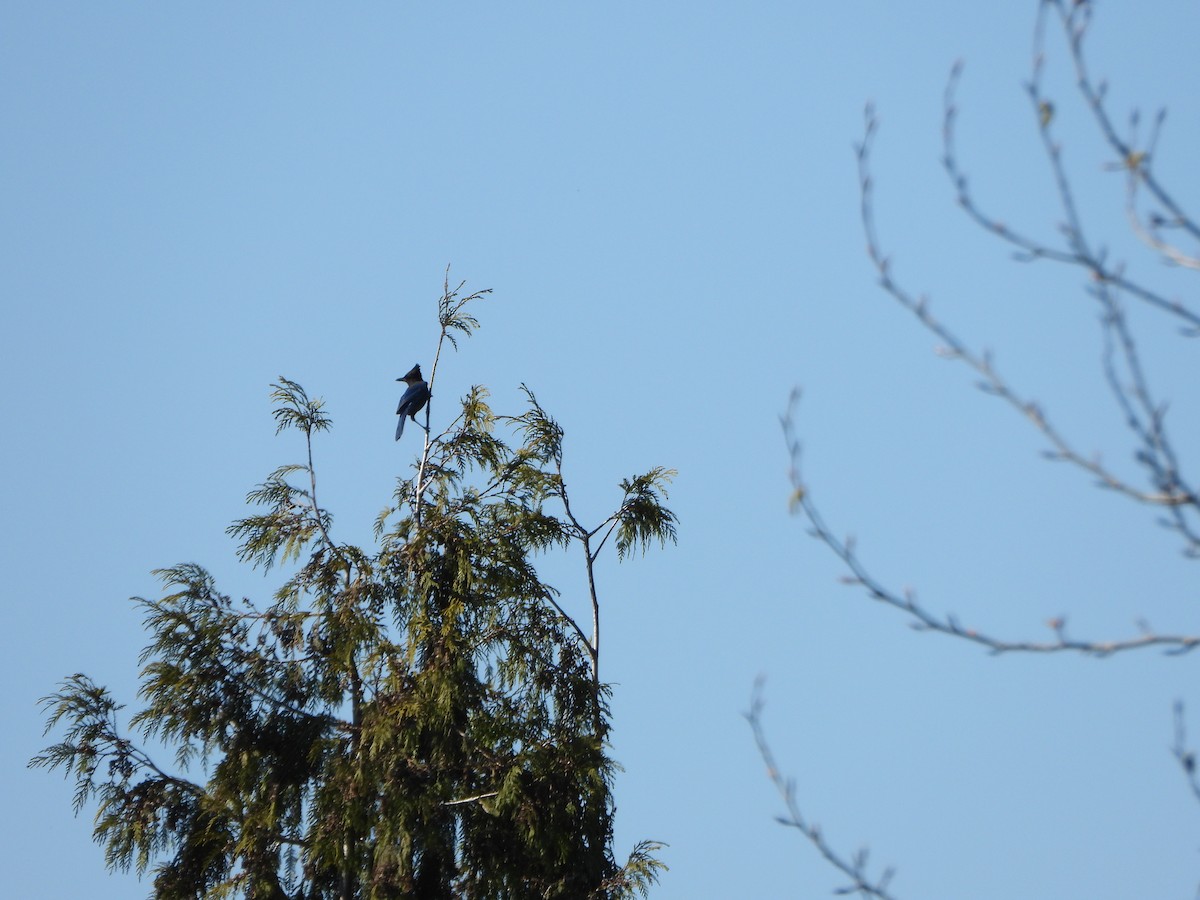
(400, 426)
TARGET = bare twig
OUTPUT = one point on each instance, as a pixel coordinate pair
(1183, 753)
(923, 619)
(954, 348)
(854, 868)
(1075, 19)
(474, 799)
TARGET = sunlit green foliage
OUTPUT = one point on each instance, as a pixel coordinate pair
(420, 719)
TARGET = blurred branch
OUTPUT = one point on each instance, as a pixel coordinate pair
(954, 348)
(991, 381)
(1161, 224)
(1183, 753)
(1135, 159)
(1144, 414)
(922, 619)
(856, 867)
(1078, 251)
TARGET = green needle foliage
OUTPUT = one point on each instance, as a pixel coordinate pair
(422, 719)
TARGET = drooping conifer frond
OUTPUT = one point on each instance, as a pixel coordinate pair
(419, 719)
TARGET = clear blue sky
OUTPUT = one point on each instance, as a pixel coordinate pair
(199, 198)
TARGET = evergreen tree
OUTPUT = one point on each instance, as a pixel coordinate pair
(425, 720)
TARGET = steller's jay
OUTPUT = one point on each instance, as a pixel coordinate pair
(414, 398)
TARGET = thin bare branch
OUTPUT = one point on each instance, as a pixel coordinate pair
(954, 348)
(854, 868)
(1184, 754)
(474, 799)
(1075, 19)
(921, 618)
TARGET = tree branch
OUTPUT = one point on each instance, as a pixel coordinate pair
(854, 868)
(922, 619)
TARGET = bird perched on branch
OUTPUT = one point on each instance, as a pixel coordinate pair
(414, 399)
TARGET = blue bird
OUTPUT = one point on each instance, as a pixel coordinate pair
(414, 399)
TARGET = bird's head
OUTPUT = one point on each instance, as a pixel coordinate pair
(413, 375)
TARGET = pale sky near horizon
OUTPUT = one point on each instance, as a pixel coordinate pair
(197, 199)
